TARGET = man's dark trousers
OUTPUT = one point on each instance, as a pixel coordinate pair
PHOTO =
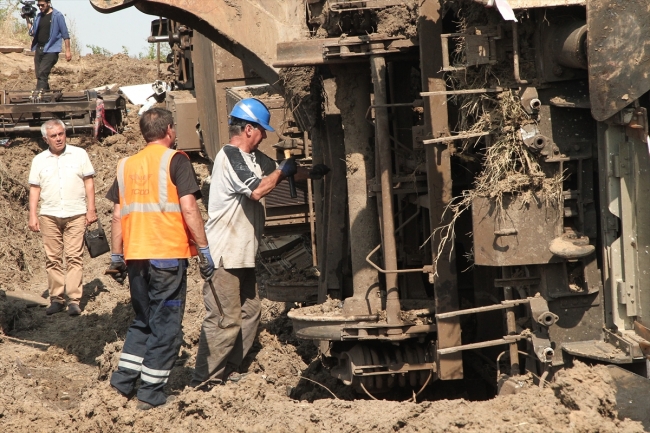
(43, 64)
(154, 338)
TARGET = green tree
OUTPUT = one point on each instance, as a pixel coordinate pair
(99, 51)
(11, 26)
(75, 43)
(150, 52)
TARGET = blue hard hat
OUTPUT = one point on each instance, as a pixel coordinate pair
(253, 110)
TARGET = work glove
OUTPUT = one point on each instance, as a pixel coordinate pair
(318, 171)
(117, 268)
(206, 264)
(288, 167)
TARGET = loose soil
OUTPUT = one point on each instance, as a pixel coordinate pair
(54, 370)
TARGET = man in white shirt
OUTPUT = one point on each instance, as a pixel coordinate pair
(62, 177)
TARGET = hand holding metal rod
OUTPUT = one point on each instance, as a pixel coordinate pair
(292, 182)
(288, 165)
(203, 259)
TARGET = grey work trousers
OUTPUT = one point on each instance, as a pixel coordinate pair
(221, 351)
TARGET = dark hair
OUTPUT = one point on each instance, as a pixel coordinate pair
(154, 123)
(237, 125)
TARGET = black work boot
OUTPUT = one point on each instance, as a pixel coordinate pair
(74, 310)
(55, 307)
(143, 405)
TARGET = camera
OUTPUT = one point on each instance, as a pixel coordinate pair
(28, 10)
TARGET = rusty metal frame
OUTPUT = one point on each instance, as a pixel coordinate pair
(45, 108)
(438, 160)
(339, 50)
(49, 107)
(384, 332)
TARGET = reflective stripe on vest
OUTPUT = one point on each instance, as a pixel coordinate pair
(163, 205)
(152, 221)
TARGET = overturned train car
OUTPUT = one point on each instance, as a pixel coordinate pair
(485, 210)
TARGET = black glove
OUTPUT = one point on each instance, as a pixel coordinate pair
(117, 268)
(288, 167)
(318, 171)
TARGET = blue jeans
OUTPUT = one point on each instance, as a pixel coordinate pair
(154, 338)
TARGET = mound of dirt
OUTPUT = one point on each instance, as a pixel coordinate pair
(398, 20)
(81, 73)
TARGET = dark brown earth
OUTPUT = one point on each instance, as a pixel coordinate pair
(54, 370)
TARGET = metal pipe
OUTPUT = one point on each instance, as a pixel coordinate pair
(395, 126)
(570, 45)
(503, 353)
(511, 325)
(160, 21)
(482, 345)
(455, 137)
(464, 91)
(399, 271)
(515, 53)
(512, 330)
(174, 37)
(310, 203)
(502, 306)
(382, 137)
(416, 103)
(393, 271)
(184, 69)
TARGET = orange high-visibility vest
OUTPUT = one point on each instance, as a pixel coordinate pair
(152, 223)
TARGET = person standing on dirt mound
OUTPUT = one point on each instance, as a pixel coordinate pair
(50, 33)
(241, 176)
(155, 227)
(63, 177)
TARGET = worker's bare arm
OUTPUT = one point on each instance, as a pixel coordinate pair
(117, 246)
(34, 196)
(193, 219)
(267, 185)
(91, 213)
(68, 52)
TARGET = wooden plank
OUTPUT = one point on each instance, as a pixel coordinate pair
(9, 49)
(31, 299)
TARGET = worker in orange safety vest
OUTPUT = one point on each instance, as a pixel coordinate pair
(156, 221)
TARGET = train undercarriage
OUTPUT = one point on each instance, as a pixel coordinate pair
(487, 176)
(83, 112)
